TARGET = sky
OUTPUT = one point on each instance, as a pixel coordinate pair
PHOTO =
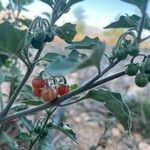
(99, 12)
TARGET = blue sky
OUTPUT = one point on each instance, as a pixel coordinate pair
(99, 12)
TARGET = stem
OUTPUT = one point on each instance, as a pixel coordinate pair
(20, 86)
(59, 100)
(18, 89)
(141, 26)
(144, 39)
(44, 125)
(70, 103)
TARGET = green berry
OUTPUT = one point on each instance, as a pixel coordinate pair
(38, 39)
(141, 80)
(133, 49)
(119, 53)
(132, 69)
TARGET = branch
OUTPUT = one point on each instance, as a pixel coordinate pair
(20, 86)
(142, 22)
(43, 128)
(144, 39)
(58, 101)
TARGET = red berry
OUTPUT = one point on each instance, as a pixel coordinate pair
(38, 83)
(49, 94)
(37, 92)
(63, 89)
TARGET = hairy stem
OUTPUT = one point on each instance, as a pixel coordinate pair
(142, 23)
(18, 89)
(43, 128)
(59, 100)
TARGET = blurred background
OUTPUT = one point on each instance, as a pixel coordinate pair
(90, 120)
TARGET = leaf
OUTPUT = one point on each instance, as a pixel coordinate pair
(128, 22)
(72, 2)
(24, 137)
(74, 87)
(12, 40)
(89, 43)
(11, 143)
(114, 103)
(19, 107)
(86, 43)
(94, 59)
(28, 124)
(124, 22)
(63, 65)
(51, 56)
(66, 32)
(44, 144)
(65, 128)
(2, 77)
(139, 3)
(32, 102)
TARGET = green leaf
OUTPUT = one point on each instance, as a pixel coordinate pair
(44, 143)
(125, 22)
(11, 143)
(72, 2)
(12, 40)
(2, 77)
(19, 107)
(128, 22)
(74, 87)
(66, 32)
(89, 43)
(114, 103)
(51, 56)
(65, 128)
(139, 3)
(24, 137)
(63, 64)
(94, 59)
(86, 43)
(28, 124)
(32, 102)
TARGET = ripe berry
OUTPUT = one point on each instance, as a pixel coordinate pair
(38, 83)
(49, 94)
(63, 89)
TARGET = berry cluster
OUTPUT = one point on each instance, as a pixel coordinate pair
(141, 71)
(127, 47)
(49, 91)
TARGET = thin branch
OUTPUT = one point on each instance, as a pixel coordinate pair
(144, 39)
(59, 100)
(43, 128)
(142, 23)
(20, 86)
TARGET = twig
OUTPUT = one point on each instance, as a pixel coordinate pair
(142, 23)
(43, 128)
(57, 101)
